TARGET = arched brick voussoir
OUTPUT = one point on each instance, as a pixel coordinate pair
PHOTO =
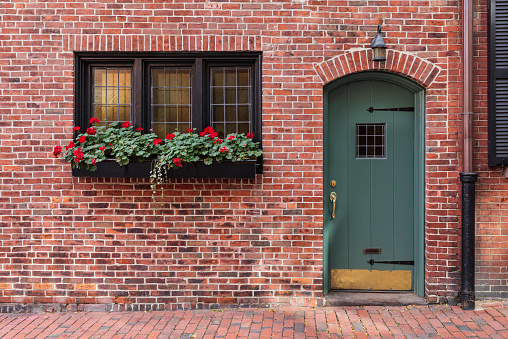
(409, 65)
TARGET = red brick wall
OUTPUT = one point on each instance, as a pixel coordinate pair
(492, 187)
(73, 240)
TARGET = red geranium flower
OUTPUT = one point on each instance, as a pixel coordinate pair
(177, 162)
(93, 161)
(139, 129)
(76, 128)
(102, 148)
(126, 124)
(231, 137)
(91, 131)
(224, 150)
(213, 135)
(208, 130)
(190, 130)
(157, 141)
(202, 134)
(170, 136)
(82, 139)
(250, 135)
(94, 119)
(70, 145)
(57, 151)
(79, 155)
(217, 140)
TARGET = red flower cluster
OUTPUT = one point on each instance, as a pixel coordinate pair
(57, 151)
(91, 131)
(92, 120)
(190, 130)
(82, 139)
(76, 128)
(208, 130)
(250, 135)
(177, 162)
(139, 129)
(170, 136)
(224, 150)
(70, 145)
(231, 137)
(126, 124)
(79, 155)
(102, 148)
(93, 161)
(157, 141)
(217, 140)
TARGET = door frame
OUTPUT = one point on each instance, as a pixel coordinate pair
(419, 171)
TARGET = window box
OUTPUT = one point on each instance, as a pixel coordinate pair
(245, 169)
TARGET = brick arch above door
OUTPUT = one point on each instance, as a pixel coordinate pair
(409, 65)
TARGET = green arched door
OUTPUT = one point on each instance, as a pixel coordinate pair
(370, 158)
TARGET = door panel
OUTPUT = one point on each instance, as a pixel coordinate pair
(375, 207)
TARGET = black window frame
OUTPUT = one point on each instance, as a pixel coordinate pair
(141, 63)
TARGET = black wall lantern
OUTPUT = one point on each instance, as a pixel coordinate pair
(378, 46)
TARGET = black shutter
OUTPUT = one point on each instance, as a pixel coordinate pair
(498, 82)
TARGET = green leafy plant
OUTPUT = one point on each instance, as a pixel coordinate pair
(124, 144)
(99, 143)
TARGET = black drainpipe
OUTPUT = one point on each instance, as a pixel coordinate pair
(468, 177)
(467, 292)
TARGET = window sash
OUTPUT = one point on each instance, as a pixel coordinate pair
(142, 65)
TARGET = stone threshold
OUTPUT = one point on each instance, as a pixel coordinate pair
(369, 298)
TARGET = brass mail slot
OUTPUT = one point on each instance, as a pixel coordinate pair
(371, 251)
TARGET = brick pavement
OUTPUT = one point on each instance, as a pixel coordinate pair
(438, 321)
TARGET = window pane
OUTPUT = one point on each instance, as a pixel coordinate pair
(100, 112)
(158, 114)
(111, 93)
(230, 77)
(99, 77)
(173, 113)
(217, 77)
(219, 128)
(243, 95)
(158, 78)
(182, 128)
(218, 113)
(230, 128)
(243, 113)
(158, 128)
(158, 96)
(243, 77)
(184, 79)
(370, 141)
(231, 95)
(171, 93)
(184, 114)
(230, 113)
(243, 128)
(184, 97)
(217, 95)
(231, 99)
(124, 113)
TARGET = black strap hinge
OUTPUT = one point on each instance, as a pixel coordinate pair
(396, 109)
(392, 262)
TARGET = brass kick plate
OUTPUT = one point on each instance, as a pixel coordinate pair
(371, 251)
(371, 280)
